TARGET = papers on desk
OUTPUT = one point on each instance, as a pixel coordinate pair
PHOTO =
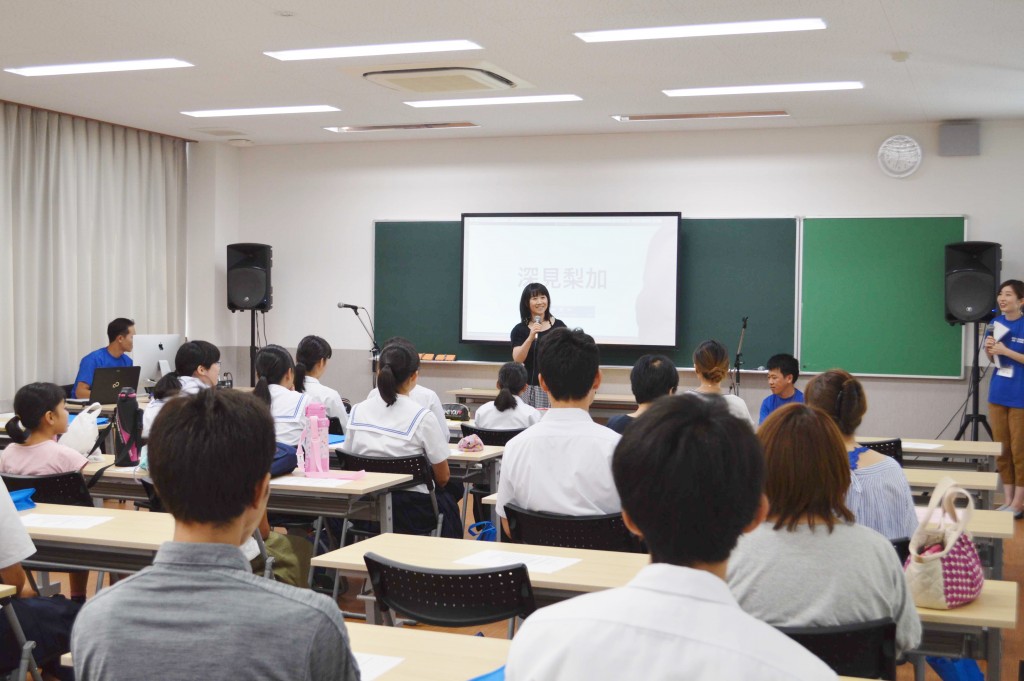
(302, 481)
(533, 562)
(919, 446)
(63, 522)
(375, 666)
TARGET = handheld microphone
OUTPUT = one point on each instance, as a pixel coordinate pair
(351, 307)
(536, 320)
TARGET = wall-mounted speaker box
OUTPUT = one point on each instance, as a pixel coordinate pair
(972, 278)
(249, 277)
(960, 138)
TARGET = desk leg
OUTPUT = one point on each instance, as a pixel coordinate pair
(997, 559)
(994, 654)
(493, 470)
(384, 516)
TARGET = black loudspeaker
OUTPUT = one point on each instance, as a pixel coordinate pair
(972, 278)
(249, 277)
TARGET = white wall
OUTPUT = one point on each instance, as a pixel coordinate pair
(315, 204)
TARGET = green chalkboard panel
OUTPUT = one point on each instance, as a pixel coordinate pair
(873, 296)
(728, 269)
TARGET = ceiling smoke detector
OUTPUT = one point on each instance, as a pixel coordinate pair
(440, 80)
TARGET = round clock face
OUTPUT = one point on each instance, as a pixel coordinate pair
(899, 156)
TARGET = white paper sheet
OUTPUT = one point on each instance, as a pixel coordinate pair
(308, 482)
(999, 330)
(124, 469)
(66, 522)
(919, 446)
(533, 562)
(375, 666)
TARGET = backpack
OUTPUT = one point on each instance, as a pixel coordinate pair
(128, 417)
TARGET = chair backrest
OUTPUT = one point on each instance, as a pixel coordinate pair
(865, 650)
(453, 411)
(891, 448)
(902, 547)
(347, 404)
(415, 465)
(56, 488)
(451, 598)
(597, 532)
(498, 438)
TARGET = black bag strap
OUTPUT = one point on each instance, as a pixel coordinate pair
(96, 476)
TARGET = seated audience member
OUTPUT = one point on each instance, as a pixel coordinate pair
(47, 621)
(391, 424)
(275, 385)
(810, 565)
(198, 608)
(39, 417)
(690, 476)
(420, 394)
(310, 364)
(879, 495)
(563, 464)
(508, 411)
(196, 367)
(120, 337)
(653, 376)
(783, 370)
(711, 362)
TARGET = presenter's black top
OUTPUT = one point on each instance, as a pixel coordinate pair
(520, 333)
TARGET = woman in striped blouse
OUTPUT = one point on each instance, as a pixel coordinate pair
(879, 495)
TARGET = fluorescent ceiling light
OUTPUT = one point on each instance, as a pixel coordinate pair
(374, 50)
(402, 126)
(640, 118)
(261, 111)
(100, 67)
(762, 89)
(700, 30)
(531, 99)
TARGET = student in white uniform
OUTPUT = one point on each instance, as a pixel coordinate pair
(711, 362)
(275, 371)
(196, 367)
(563, 464)
(420, 394)
(391, 424)
(676, 619)
(508, 411)
(310, 364)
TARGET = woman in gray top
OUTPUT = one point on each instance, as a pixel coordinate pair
(809, 564)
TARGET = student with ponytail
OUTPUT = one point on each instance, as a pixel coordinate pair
(275, 385)
(420, 394)
(196, 367)
(711, 362)
(391, 424)
(879, 495)
(508, 411)
(310, 364)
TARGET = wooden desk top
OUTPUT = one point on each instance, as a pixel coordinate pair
(6, 590)
(489, 452)
(995, 607)
(597, 570)
(126, 529)
(972, 480)
(913, 447)
(600, 400)
(991, 525)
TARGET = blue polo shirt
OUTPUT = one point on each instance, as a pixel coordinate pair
(97, 359)
(773, 402)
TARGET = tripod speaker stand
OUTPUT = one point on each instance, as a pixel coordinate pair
(974, 418)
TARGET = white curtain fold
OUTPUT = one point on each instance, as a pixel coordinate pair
(92, 227)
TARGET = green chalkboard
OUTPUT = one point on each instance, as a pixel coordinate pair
(728, 269)
(873, 297)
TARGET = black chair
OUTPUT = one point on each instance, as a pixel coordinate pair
(891, 448)
(495, 438)
(67, 390)
(416, 465)
(866, 650)
(596, 532)
(902, 547)
(450, 598)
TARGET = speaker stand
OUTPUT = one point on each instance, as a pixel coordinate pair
(252, 349)
(974, 417)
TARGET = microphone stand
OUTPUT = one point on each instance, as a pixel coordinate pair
(374, 349)
(739, 359)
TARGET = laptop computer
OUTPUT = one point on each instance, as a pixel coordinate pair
(108, 381)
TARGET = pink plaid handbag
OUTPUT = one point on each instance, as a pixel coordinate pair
(943, 570)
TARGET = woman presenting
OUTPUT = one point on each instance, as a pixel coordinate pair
(535, 312)
(1006, 393)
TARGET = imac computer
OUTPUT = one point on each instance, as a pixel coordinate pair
(154, 354)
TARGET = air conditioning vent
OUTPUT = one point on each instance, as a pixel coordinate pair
(440, 80)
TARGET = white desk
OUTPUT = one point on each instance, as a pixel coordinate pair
(931, 453)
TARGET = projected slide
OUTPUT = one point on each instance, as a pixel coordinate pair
(612, 275)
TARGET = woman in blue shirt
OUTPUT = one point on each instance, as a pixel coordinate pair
(1005, 346)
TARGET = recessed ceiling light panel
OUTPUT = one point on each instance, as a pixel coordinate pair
(765, 89)
(100, 67)
(701, 30)
(261, 111)
(374, 50)
(485, 101)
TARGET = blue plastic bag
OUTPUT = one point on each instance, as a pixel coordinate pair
(497, 675)
(23, 498)
(956, 668)
(483, 531)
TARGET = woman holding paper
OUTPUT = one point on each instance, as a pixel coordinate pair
(1005, 346)
(537, 320)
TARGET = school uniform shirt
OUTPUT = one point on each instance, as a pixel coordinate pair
(16, 545)
(667, 623)
(329, 397)
(289, 411)
(45, 458)
(523, 416)
(97, 359)
(425, 397)
(561, 465)
(403, 429)
(189, 386)
(773, 402)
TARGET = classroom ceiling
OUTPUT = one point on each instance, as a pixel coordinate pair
(919, 60)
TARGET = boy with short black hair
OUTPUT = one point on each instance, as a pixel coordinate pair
(653, 376)
(690, 476)
(783, 370)
(563, 464)
(199, 608)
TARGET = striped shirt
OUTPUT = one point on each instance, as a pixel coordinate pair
(880, 498)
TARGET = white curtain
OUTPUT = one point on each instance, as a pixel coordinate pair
(92, 227)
